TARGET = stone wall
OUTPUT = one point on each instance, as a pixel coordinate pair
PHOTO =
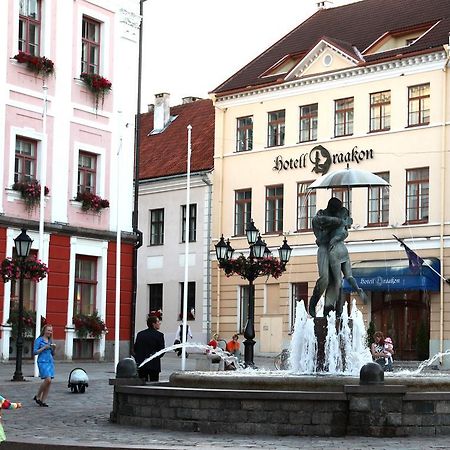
(358, 410)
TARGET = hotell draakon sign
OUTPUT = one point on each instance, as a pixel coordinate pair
(321, 159)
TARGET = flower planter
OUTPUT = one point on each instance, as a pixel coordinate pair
(91, 202)
(30, 192)
(98, 86)
(39, 65)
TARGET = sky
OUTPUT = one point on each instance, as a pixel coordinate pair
(192, 46)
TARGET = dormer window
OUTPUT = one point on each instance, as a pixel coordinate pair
(399, 38)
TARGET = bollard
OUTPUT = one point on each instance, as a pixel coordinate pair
(126, 368)
(371, 373)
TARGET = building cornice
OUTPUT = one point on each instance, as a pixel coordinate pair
(252, 95)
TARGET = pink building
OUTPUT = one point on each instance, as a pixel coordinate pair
(81, 148)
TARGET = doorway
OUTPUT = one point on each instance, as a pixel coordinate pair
(405, 317)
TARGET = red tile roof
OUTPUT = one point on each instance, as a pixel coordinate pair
(357, 24)
(165, 153)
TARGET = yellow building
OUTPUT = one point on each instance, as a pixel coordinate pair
(366, 85)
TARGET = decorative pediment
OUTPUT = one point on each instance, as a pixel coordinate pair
(328, 55)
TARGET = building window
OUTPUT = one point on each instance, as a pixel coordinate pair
(344, 195)
(242, 211)
(306, 207)
(274, 209)
(190, 301)
(90, 46)
(25, 160)
(155, 294)
(417, 195)
(308, 122)
(29, 26)
(419, 105)
(244, 138)
(192, 223)
(87, 172)
(243, 306)
(378, 203)
(299, 291)
(343, 117)
(85, 284)
(275, 132)
(157, 226)
(380, 111)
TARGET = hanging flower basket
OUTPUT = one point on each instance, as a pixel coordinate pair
(30, 192)
(33, 269)
(29, 322)
(39, 65)
(247, 269)
(98, 85)
(89, 324)
(91, 202)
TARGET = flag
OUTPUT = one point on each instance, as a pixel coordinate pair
(415, 261)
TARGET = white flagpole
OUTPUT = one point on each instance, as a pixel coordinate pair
(186, 250)
(42, 180)
(118, 257)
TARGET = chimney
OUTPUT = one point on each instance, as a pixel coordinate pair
(323, 4)
(150, 107)
(161, 116)
(190, 99)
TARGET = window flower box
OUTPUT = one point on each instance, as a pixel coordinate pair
(98, 85)
(91, 202)
(89, 325)
(39, 65)
(30, 191)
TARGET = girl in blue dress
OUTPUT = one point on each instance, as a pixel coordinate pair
(44, 349)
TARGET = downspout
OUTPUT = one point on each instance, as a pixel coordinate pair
(208, 183)
(137, 144)
(443, 172)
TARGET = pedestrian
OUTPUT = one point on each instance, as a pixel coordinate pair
(6, 404)
(179, 337)
(214, 341)
(233, 347)
(389, 351)
(148, 342)
(44, 348)
(377, 349)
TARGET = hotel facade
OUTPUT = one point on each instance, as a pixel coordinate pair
(363, 86)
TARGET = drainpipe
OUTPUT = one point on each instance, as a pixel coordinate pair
(208, 183)
(137, 144)
(443, 176)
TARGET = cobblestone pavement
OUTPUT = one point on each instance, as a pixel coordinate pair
(81, 420)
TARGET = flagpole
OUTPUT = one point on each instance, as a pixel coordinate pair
(183, 338)
(42, 181)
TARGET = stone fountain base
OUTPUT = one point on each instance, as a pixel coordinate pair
(289, 405)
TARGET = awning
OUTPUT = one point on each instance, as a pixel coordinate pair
(395, 275)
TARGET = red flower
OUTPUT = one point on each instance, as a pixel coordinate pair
(90, 201)
(40, 65)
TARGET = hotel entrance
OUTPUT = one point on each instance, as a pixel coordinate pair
(405, 317)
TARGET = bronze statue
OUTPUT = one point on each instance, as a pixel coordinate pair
(330, 227)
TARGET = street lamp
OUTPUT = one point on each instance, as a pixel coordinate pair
(259, 262)
(22, 244)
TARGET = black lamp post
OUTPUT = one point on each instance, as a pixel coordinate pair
(23, 246)
(258, 251)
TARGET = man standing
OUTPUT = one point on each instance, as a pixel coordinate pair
(148, 342)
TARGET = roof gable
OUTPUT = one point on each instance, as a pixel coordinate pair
(327, 55)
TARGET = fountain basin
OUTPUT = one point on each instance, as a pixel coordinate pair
(280, 404)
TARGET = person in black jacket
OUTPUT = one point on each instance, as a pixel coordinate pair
(148, 342)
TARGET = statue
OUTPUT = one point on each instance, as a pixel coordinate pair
(330, 227)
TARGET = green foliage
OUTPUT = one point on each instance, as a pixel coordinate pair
(422, 342)
(89, 324)
(370, 333)
(29, 321)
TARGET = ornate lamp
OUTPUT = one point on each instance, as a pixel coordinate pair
(23, 244)
(285, 252)
(230, 250)
(221, 249)
(259, 248)
(251, 232)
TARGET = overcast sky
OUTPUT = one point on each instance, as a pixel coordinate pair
(192, 46)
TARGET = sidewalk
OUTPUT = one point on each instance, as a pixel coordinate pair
(82, 420)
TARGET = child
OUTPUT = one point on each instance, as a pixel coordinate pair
(389, 351)
(6, 404)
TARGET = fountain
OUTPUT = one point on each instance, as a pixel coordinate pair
(331, 388)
